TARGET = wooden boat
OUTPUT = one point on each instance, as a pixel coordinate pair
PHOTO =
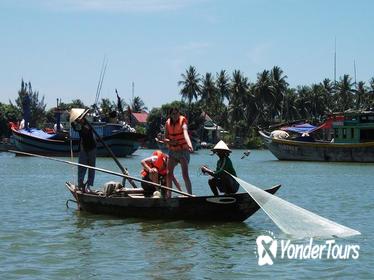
(122, 143)
(352, 140)
(131, 203)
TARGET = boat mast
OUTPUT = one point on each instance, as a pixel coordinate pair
(132, 92)
(335, 64)
(354, 69)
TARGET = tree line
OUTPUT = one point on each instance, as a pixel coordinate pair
(240, 105)
(233, 101)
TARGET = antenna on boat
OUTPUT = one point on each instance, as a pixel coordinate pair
(132, 92)
(354, 70)
(335, 64)
(101, 79)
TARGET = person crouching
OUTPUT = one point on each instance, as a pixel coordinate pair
(155, 170)
(220, 179)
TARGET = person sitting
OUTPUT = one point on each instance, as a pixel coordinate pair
(155, 170)
(220, 179)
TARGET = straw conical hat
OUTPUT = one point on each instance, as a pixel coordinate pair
(221, 146)
(75, 113)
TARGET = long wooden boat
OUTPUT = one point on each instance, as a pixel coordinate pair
(288, 149)
(350, 138)
(130, 203)
(122, 143)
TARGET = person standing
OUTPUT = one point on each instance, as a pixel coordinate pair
(220, 179)
(87, 153)
(180, 147)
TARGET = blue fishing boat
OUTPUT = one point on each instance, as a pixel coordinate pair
(122, 140)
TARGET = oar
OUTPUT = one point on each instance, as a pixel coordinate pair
(124, 170)
(102, 170)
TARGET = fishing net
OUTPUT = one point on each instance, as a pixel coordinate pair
(294, 220)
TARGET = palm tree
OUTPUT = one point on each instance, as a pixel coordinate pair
(303, 101)
(371, 94)
(223, 85)
(280, 86)
(345, 93)
(106, 107)
(137, 105)
(190, 85)
(209, 94)
(328, 91)
(263, 91)
(317, 102)
(361, 96)
(238, 90)
(290, 105)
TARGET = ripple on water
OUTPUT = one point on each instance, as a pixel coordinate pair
(41, 239)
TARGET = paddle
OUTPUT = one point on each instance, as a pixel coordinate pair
(102, 170)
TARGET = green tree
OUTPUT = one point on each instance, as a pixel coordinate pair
(8, 113)
(264, 94)
(328, 91)
(344, 93)
(361, 96)
(290, 105)
(209, 95)
(223, 85)
(106, 107)
(279, 88)
(371, 94)
(37, 107)
(190, 85)
(137, 105)
(303, 101)
(238, 90)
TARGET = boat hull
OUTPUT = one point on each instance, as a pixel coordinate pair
(122, 144)
(224, 208)
(284, 149)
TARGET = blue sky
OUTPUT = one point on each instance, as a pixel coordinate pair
(59, 45)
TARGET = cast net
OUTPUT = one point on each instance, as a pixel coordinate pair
(294, 220)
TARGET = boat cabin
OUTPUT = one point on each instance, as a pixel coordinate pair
(353, 127)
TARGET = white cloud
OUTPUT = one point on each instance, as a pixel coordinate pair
(118, 5)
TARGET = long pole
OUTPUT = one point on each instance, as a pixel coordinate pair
(102, 170)
(124, 170)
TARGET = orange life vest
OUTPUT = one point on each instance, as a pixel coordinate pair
(175, 132)
(159, 164)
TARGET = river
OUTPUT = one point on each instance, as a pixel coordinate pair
(40, 238)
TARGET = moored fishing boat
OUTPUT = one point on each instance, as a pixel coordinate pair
(131, 203)
(350, 139)
(122, 141)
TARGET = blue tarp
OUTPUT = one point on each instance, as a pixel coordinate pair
(300, 128)
(36, 133)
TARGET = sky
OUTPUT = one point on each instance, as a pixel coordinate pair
(60, 45)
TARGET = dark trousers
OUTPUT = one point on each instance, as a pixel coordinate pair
(224, 183)
(87, 158)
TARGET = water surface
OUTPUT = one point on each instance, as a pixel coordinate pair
(40, 238)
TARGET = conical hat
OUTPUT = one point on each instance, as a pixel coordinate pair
(221, 146)
(75, 113)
